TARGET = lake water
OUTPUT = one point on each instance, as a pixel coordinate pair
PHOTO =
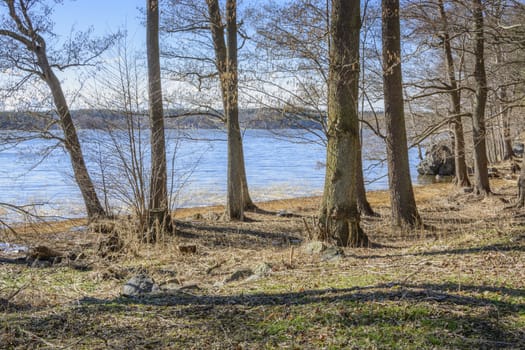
(277, 167)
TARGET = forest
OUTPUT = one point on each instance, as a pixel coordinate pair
(433, 264)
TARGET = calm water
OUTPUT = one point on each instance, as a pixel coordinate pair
(276, 168)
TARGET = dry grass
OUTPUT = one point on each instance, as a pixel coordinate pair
(459, 283)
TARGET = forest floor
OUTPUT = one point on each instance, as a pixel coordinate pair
(457, 283)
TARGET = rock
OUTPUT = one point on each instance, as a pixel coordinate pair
(517, 148)
(239, 275)
(439, 160)
(332, 254)
(139, 285)
(314, 247)
(263, 269)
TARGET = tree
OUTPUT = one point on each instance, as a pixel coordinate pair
(403, 204)
(481, 175)
(339, 217)
(461, 175)
(25, 49)
(191, 18)
(226, 58)
(159, 216)
(300, 53)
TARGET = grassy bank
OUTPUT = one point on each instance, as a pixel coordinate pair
(458, 283)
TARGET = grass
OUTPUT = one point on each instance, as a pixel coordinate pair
(458, 285)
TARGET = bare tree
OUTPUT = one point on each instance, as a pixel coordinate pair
(461, 175)
(226, 58)
(24, 48)
(198, 21)
(159, 215)
(481, 175)
(403, 204)
(339, 216)
(299, 50)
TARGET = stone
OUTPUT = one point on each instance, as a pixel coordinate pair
(263, 269)
(518, 147)
(439, 160)
(332, 254)
(139, 285)
(314, 247)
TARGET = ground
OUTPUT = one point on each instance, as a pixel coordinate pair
(459, 282)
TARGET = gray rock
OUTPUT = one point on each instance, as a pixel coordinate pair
(263, 269)
(439, 160)
(332, 254)
(314, 247)
(518, 147)
(139, 285)
(239, 275)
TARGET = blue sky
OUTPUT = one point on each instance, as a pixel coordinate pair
(105, 16)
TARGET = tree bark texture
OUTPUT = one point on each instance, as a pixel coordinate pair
(362, 202)
(403, 204)
(482, 185)
(461, 173)
(339, 217)
(159, 216)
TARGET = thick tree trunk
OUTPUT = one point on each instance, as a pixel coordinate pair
(482, 185)
(404, 210)
(72, 144)
(159, 216)
(461, 174)
(339, 217)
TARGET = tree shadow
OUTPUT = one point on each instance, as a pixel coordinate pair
(184, 319)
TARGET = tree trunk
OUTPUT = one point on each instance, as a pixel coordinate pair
(362, 202)
(404, 210)
(339, 217)
(234, 204)
(72, 144)
(482, 185)
(461, 174)
(226, 61)
(159, 216)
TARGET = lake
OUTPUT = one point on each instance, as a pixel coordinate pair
(278, 166)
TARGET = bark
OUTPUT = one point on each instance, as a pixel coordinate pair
(238, 197)
(362, 202)
(159, 216)
(234, 204)
(339, 217)
(461, 173)
(72, 144)
(403, 204)
(482, 185)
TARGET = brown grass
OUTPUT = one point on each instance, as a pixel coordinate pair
(462, 277)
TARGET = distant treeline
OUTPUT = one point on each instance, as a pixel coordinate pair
(255, 118)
